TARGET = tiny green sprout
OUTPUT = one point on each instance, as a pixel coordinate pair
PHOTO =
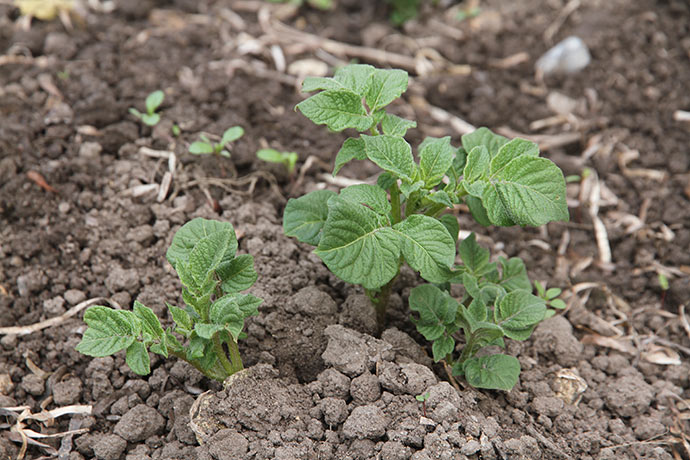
(205, 146)
(550, 296)
(203, 253)
(319, 4)
(289, 159)
(422, 397)
(572, 178)
(153, 101)
(63, 75)
(176, 131)
(663, 283)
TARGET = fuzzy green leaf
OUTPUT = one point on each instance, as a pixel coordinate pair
(337, 109)
(517, 312)
(528, 191)
(356, 246)
(352, 149)
(475, 257)
(427, 247)
(182, 320)
(270, 155)
(451, 223)
(483, 136)
(385, 86)
(150, 325)
(477, 210)
(230, 311)
(514, 274)
(305, 217)
(393, 125)
(494, 372)
(408, 189)
(196, 347)
(477, 310)
(386, 180)
(154, 100)
(192, 232)
(477, 166)
(391, 154)
(441, 197)
(355, 77)
(238, 274)
(150, 119)
(108, 332)
(442, 347)
(435, 158)
(320, 83)
(436, 310)
(231, 135)
(207, 330)
(209, 252)
(511, 150)
(138, 359)
(372, 196)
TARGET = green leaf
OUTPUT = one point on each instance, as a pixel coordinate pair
(451, 223)
(494, 372)
(238, 274)
(477, 166)
(319, 83)
(160, 348)
(230, 311)
(187, 237)
(511, 150)
(209, 252)
(528, 191)
(138, 359)
(477, 210)
(352, 149)
(182, 320)
(355, 77)
(471, 285)
(356, 247)
(206, 330)
(385, 86)
(336, 109)
(108, 332)
(154, 100)
(427, 247)
(408, 189)
(150, 325)
(270, 155)
(514, 274)
(552, 293)
(477, 310)
(435, 158)
(391, 154)
(135, 112)
(386, 180)
(232, 134)
(305, 217)
(557, 303)
(436, 310)
(475, 257)
(483, 136)
(372, 196)
(200, 148)
(441, 197)
(151, 119)
(442, 347)
(393, 125)
(517, 312)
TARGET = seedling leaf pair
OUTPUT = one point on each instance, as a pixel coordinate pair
(205, 146)
(153, 101)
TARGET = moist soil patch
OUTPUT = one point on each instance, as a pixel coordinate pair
(85, 213)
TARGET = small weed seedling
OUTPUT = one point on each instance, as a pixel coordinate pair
(153, 101)
(497, 303)
(422, 399)
(403, 10)
(663, 284)
(205, 146)
(289, 159)
(318, 4)
(364, 233)
(203, 255)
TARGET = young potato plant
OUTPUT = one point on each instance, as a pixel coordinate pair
(203, 253)
(497, 303)
(288, 159)
(205, 146)
(364, 233)
(153, 101)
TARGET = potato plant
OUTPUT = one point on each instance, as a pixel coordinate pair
(203, 253)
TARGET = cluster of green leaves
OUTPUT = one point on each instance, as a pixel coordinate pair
(365, 232)
(498, 302)
(288, 159)
(403, 10)
(153, 101)
(203, 253)
(206, 146)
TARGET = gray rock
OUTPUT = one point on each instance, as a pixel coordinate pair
(33, 384)
(353, 353)
(554, 337)
(120, 279)
(334, 411)
(471, 447)
(568, 56)
(139, 423)
(365, 389)
(74, 296)
(67, 391)
(54, 306)
(311, 301)
(393, 450)
(109, 447)
(228, 445)
(407, 378)
(628, 395)
(365, 422)
(334, 383)
(406, 349)
(90, 150)
(359, 314)
(547, 405)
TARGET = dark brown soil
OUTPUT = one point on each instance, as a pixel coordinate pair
(319, 386)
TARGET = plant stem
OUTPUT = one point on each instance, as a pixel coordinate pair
(220, 352)
(208, 373)
(235, 357)
(395, 203)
